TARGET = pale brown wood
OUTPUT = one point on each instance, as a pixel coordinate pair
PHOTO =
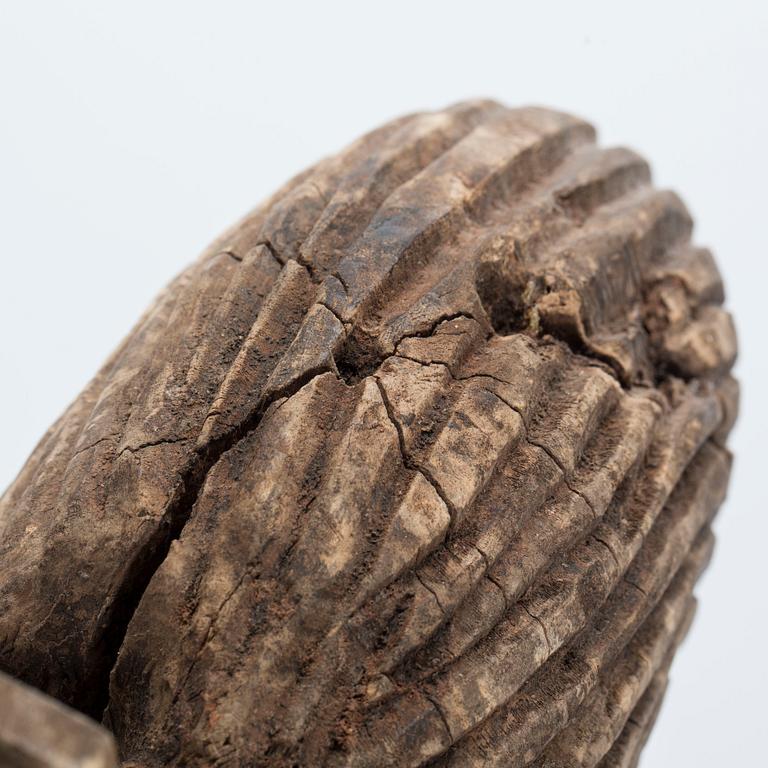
(37, 731)
(415, 465)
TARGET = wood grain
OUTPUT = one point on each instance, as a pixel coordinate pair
(414, 466)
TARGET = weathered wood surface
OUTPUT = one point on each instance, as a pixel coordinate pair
(415, 465)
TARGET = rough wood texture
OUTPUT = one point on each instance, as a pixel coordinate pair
(415, 465)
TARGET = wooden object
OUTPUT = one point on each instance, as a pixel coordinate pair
(37, 731)
(415, 465)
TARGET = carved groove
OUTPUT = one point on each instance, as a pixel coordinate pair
(414, 466)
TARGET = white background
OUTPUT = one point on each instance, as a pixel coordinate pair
(132, 133)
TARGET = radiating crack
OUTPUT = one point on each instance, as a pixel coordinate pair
(546, 450)
(150, 557)
(407, 460)
(440, 712)
(541, 624)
